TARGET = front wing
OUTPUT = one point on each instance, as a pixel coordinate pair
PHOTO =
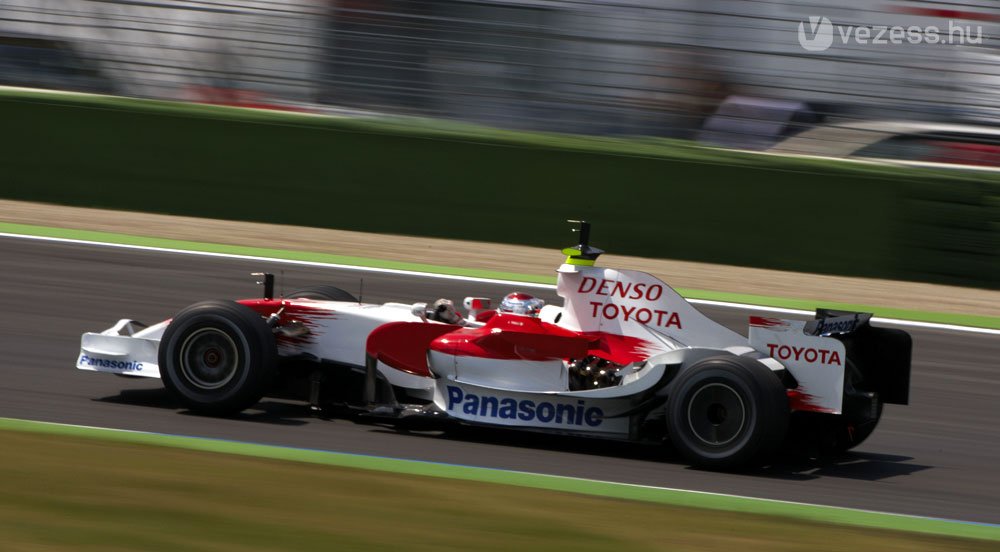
(127, 348)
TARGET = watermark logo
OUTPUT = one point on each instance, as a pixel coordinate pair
(818, 34)
(821, 34)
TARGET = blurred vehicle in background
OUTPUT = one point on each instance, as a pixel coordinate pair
(43, 62)
(902, 142)
(744, 122)
(636, 67)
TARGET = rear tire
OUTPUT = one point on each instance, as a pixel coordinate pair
(727, 412)
(836, 434)
(852, 435)
(217, 357)
(322, 293)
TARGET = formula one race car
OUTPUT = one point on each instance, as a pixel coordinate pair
(625, 358)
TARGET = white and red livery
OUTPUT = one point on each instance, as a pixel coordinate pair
(625, 357)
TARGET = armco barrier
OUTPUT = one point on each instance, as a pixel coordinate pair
(645, 197)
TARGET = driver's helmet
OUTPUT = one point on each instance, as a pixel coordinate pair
(521, 303)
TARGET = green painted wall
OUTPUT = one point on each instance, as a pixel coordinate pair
(645, 197)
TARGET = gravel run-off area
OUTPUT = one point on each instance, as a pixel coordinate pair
(509, 258)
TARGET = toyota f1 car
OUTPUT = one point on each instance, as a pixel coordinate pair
(625, 357)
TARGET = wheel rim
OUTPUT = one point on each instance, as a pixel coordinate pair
(209, 358)
(716, 414)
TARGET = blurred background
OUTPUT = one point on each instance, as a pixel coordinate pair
(733, 73)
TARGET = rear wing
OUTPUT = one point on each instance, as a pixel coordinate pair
(835, 349)
(818, 363)
(882, 355)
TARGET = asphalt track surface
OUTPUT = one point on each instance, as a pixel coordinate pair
(939, 456)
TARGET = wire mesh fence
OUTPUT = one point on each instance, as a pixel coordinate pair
(739, 73)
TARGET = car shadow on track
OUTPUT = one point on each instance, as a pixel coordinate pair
(791, 465)
(264, 412)
(538, 441)
(863, 466)
(155, 398)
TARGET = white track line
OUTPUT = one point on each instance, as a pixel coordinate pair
(722, 304)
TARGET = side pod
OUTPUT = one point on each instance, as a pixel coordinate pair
(404, 345)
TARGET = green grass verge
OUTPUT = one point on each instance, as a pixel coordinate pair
(977, 321)
(74, 488)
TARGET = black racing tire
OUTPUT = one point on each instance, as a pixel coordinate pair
(838, 435)
(727, 412)
(218, 357)
(855, 434)
(322, 293)
(847, 435)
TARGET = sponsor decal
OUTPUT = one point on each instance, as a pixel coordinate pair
(629, 291)
(836, 325)
(486, 406)
(807, 354)
(126, 365)
(625, 290)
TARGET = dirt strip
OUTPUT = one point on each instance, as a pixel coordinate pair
(508, 258)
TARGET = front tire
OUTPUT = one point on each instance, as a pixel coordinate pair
(727, 412)
(217, 357)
